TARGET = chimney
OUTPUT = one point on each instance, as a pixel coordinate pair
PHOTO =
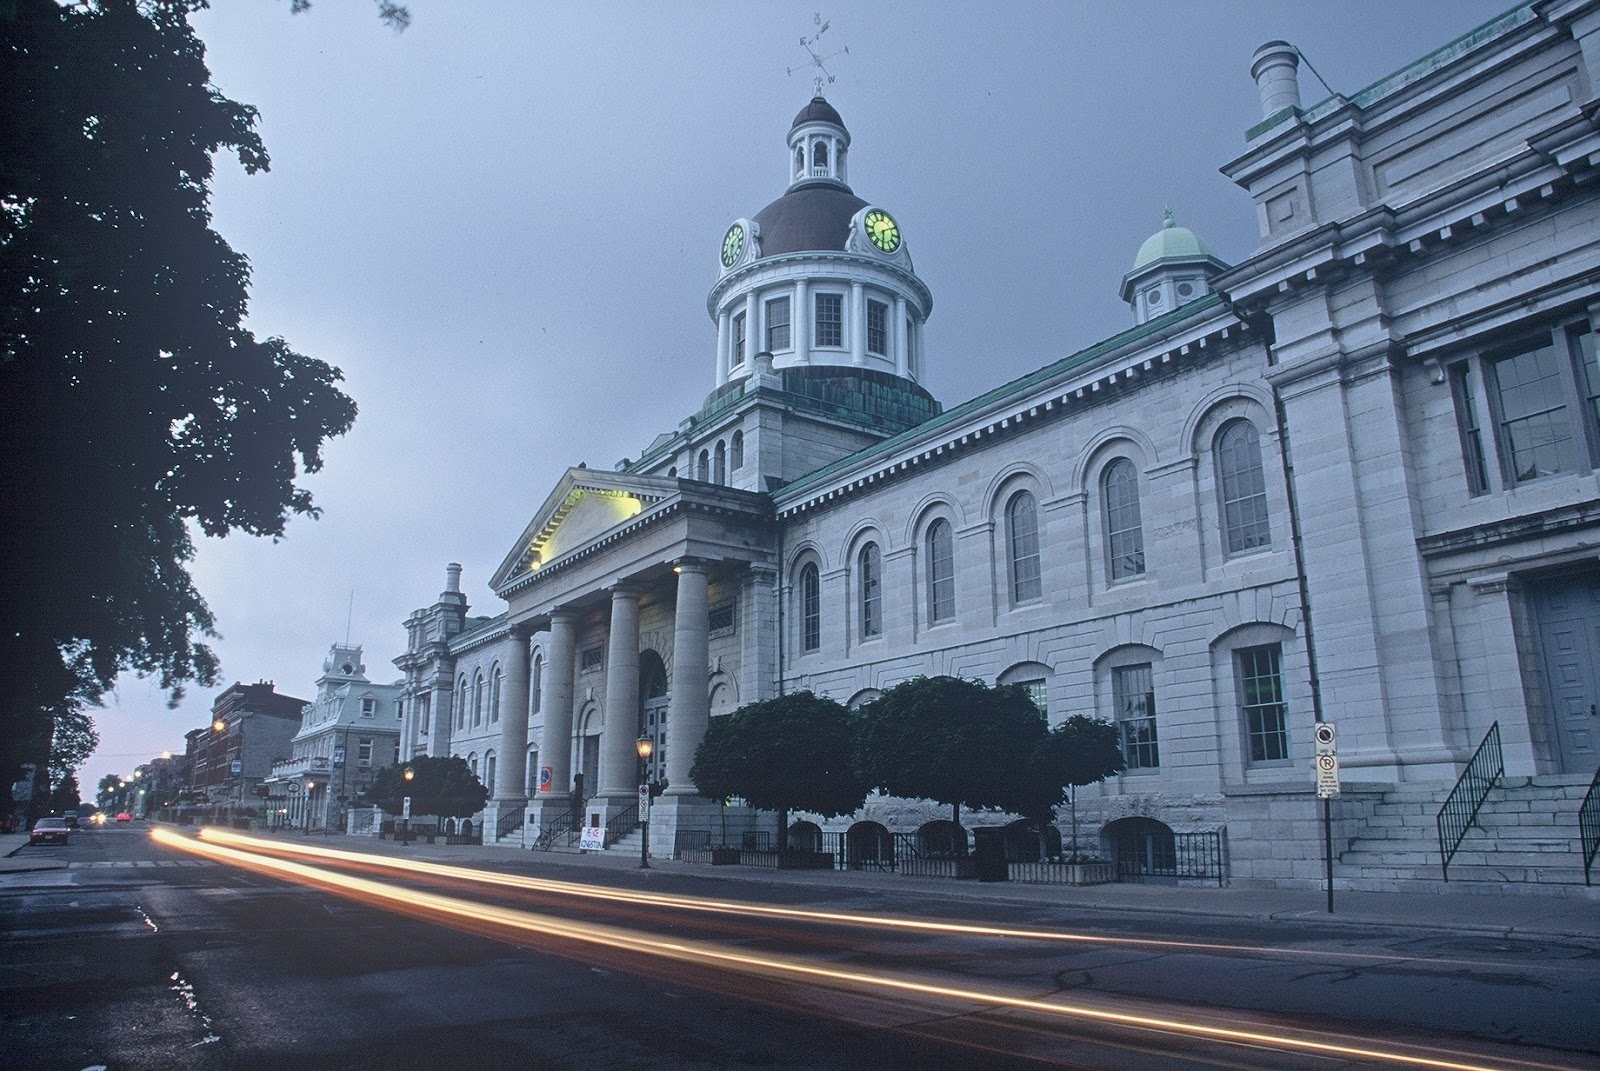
(452, 578)
(1274, 68)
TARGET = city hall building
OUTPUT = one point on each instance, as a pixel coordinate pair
(1350, 480)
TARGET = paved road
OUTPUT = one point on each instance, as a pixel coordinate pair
(135, 955)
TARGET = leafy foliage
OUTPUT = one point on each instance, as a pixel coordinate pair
(789, 753)
(951, 740)
(135, 407)
(66, 795)
(1080, 751)
(445, 787)
(72, 742)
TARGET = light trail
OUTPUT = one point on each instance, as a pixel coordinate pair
(734, 907)
(475, 914)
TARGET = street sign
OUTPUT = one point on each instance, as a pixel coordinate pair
(236, 766)
(405, 808)
(1324, 736)
(592, 839)
(338, 757)
(644, 799)
(1327, 777)
(294, 788)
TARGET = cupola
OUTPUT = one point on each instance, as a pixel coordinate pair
(1174, 267)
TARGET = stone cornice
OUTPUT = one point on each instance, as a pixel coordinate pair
(1513, 530)
(854, 262)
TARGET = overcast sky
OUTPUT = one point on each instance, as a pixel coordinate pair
(502, 225)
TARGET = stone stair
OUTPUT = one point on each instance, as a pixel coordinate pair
(1525, 840)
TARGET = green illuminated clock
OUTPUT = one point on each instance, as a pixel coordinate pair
(883, 230)
(732, 245)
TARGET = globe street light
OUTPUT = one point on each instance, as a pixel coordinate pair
(645, 746)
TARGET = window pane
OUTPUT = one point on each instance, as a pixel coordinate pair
(830, 320)
(1134, 697)
(1467, 426)
(1243, 488)
(1023, 524)
(1584, 353)
(810, 609)
(1535, 434)
(941, 573)
(1260, 672)
(736, 451)
(737, 356)
(1124, 534)
(877, 327)
(1038, 694)
(778, 324)
(871, 592)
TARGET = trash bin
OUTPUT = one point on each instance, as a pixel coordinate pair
(989, 854)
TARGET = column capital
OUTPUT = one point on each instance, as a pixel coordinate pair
(690, 565)
(622, 589)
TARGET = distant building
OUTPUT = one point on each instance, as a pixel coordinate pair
(251, 727)
(344, 736)
(1350, 480)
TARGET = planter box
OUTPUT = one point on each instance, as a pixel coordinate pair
(961, 867)
(713, 856)
(1064, 873)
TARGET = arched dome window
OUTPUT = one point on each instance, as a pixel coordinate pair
(720, 466)
(736, 451)
(799, 161)
(702, 471)
(819, 158)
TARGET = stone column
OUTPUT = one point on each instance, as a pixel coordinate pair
(722, 347)
(512, 772)
(800, 322)
(902, 344)
(751, 326)
(443, 717)
(689, 702)
(856, 324)
(618, 760)
(555, 742)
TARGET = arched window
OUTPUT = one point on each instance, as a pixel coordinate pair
(477, 699)
(819, 157)
(1119, 486)
(537, 698)
(472, 763)
(488, 772)
(736, 451)
(810, 607)
(799, 160)
(672, 473)
(1242, 488)
(461, 702)
(703, 470)
(494, 695)
(719, 471)
(1022, 529)
(941, 572)
(869, 565)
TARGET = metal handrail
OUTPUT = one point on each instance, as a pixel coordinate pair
(1589, 826)
(1461, 807)
(621, 824)
(509, 823)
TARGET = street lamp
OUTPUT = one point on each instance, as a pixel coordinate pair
(409, 775)
(645, 746)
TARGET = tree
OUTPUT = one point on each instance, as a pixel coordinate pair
(789, 753)
(950, 740)
(1080, 751)
(135, 407)
(444, 786)
(65, 797)
(72, 741)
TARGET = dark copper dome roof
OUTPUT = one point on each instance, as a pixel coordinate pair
(818, 110)
(811, 217)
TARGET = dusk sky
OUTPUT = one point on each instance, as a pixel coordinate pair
(502, 225)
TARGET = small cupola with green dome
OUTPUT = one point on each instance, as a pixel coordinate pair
(1174, 267)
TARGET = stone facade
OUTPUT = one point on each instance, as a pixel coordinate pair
(1352, 479)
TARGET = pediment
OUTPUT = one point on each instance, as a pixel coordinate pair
(584, 505)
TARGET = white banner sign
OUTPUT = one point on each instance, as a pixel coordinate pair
(593, 839)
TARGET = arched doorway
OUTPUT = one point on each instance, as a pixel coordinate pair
(1143, 850)
(941, 839)
(868, 846)
(805, 837)
(1025, 838)
(653, 712)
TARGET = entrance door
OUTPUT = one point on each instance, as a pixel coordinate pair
(1568, 613)
(655, 723)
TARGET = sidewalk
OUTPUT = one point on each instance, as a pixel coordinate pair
(1507, 915)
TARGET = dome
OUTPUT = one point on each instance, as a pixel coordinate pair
(818, 111)
(813, 217)
(1172, 241)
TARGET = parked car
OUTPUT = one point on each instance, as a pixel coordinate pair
(48, 830)
(71, 819)
(124, 816)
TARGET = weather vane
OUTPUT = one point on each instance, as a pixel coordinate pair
(818, 60)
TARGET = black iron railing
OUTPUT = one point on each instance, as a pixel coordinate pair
(1187, 857)
(621, 824)
(509, 823)
(1589, 826)
(1461, 807)
(560, 829)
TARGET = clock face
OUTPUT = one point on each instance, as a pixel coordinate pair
(732, 245)
(883, 230)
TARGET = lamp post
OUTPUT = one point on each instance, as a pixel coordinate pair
(409, 775)
(645, 747)
(311, 792)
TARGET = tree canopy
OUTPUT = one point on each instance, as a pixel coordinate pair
(135, 407)
(789, 753)
(1080, 751)
(442, 786)
(951, 740)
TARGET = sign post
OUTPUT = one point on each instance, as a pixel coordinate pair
(1327, 792)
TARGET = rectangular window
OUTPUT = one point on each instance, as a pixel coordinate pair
(1038, 693)
(810, 609)
(778, 325)
(877, 328)
(368, 706)
(719, 622)
(1584, 353)
(589, 659)
(1133, 694)
(1467, 426)
(736, 358)
(830, 320)
(364, 751)
(1531, 422)
(1260, 677)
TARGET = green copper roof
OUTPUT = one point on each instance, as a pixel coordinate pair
(1172, 241)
